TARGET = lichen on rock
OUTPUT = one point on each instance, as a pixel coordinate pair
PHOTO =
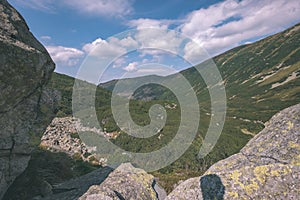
(266, 168)
(125, 182)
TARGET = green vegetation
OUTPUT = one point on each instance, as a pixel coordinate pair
(250, 101)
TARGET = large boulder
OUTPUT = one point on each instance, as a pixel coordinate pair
(268, 167)
(26, 105)
(126, 182)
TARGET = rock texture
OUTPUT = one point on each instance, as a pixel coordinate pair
(126, 182)
(76, 187)
(26, 106)
(268, 167)
(62, 136)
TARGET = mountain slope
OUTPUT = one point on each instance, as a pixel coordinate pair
(256, 74)
(260, 79)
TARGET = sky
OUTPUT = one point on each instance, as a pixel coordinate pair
(140, 37)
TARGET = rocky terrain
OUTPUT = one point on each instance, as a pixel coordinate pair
(26, 105)
(268, 167)
(62, 136)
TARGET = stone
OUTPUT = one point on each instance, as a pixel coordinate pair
(62, 135)
(268, 167)
(125, 182)
(26, 104)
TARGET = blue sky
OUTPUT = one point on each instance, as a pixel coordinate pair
(71, 30)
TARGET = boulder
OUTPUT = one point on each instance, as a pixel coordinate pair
(268, 167)
(26, 105)
(125, 182)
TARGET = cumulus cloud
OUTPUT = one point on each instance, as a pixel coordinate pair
(65, 56)
(110, 8)
(216, 28)
(111, 48)
(131, 67)
(219, 27)
(142, 23)
(232, 22)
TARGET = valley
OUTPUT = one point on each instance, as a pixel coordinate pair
(250, 74)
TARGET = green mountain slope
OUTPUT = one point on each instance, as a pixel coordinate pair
(260, 79)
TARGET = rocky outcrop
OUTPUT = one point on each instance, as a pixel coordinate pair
(26, 106)
(62, 135)
(126, 182)
(268, 167)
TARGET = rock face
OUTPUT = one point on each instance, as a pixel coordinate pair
(26, 106)
(268, 167)
(126, 182)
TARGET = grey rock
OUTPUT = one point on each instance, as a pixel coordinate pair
(76, 187)
(26, 106)
(268, 167)
(62, 135)
(126, 182)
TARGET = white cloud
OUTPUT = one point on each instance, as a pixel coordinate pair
(131, 67)
(65, 56)
(230, 23)
(119, 62)
(144, 69)
(46, 37)
(155, 34)
(111, 48)
(194, 53)
(106, 8)
(142, 23)
(101, 7)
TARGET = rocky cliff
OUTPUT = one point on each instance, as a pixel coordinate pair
(268, 167)
(26, 105)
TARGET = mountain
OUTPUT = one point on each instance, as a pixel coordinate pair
(256, 74)
(260, 79)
